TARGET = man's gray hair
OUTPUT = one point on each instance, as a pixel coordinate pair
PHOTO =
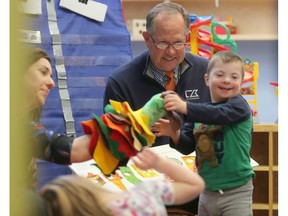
(167, 8)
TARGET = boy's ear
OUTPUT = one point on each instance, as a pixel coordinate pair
(206, 78)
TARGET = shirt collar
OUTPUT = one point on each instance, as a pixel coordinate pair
(160, 75)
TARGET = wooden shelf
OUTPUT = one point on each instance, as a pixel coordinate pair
(263, 206)
(265, 168)
(260, 206)
(265, 151)
(254, 19)
(179, 1)
(236, 37)
(252, 37)
(265, 127)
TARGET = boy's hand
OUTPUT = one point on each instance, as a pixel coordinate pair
(173, 102)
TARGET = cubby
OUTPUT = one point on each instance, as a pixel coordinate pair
(265, 151)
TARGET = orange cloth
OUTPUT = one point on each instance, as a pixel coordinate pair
(171, 82)
(91, 127)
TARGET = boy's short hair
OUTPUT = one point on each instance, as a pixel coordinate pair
(226, 57)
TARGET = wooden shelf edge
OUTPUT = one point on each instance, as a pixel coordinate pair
(264, 206)
(236, 37)
(265, 128)
(261, 168)
(252, 37)
(260, 206)
(265, 168)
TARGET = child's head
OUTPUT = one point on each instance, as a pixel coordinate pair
(224, 76)
(74, 195)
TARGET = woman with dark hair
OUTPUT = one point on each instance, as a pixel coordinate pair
(37, 141)
(46, 144)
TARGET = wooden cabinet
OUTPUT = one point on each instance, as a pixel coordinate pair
(255, 19)
(265, 151)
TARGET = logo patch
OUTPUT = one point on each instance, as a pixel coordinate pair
(192, 94)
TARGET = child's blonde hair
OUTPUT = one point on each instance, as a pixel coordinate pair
(74, 196)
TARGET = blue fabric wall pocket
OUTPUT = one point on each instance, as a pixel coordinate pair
(84, 52)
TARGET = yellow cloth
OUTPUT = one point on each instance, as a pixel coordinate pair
(103, 157)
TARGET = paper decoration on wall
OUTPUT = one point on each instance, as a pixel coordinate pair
(29, 36)
(136, 27)
(30, 7)
(88, 8)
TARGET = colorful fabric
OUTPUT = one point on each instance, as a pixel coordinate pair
(145, 199)
(143, 118)
(111, 144)
(120, 133)
(103, 157)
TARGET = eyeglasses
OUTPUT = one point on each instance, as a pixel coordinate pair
(164, 45)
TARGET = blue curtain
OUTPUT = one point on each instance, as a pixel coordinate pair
(90, 51)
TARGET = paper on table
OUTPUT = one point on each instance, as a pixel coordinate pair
(131, 173)
(90, 170)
